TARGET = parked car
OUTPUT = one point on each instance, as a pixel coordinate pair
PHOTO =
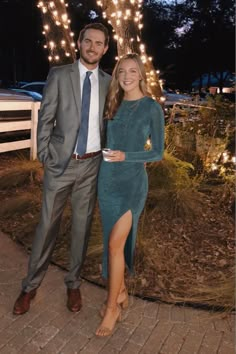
(187, 112)
(10, 95)
(13, 96)
(35, 95)
(170, 99)
(36, 86)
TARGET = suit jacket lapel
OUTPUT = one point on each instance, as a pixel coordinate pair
(75, 79)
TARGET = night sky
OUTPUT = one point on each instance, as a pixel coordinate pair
(23, 58)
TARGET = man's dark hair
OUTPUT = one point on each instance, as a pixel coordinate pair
(96, 26)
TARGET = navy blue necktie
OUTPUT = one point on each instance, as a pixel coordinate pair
(83, 130)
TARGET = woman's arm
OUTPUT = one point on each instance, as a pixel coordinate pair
(157, 138)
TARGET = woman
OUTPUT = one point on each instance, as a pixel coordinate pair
(132, 117)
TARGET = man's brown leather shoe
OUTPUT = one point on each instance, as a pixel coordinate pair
(22, 303)
(74, 302)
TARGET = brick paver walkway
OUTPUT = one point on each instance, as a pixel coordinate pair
(147, 328)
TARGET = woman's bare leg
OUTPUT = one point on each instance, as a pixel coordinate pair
(121, 293)
(117, 241)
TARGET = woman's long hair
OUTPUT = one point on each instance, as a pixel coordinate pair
(116, 93)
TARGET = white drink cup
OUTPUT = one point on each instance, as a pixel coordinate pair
(105, 153)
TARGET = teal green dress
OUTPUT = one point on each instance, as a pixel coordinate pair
(123, 186)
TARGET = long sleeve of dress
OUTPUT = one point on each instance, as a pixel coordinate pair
(157, 138)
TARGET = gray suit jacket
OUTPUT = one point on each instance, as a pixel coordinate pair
(59, 116)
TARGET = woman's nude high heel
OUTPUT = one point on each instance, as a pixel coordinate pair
(104, 331)
(123, 303)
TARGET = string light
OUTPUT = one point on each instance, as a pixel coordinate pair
(120, 14)
(126, 14)
(60, 43)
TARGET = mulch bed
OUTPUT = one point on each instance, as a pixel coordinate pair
(178, 259)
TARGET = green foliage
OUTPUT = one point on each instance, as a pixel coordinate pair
(203, 138)
(169, 173)
(171, 189)
(219, 120)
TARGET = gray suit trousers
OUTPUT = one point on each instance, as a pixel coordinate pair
(79, 181)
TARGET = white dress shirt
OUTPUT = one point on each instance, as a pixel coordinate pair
(93, 142)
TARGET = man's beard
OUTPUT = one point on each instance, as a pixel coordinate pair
(87, 60)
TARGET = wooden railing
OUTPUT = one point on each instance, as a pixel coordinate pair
(17, 125)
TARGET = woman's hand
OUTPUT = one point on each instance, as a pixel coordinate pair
(116, 156)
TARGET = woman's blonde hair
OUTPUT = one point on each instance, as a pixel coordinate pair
(116, 93)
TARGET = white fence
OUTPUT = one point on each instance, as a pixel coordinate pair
(10, 126)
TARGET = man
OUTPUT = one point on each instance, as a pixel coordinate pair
(70, 136)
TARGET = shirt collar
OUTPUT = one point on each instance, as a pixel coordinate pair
(83, 70)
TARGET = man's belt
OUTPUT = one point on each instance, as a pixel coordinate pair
(86, 156)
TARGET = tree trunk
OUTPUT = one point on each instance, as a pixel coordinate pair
(125, 19)
(56, 28)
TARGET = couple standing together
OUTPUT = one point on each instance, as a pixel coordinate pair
(80, 103)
